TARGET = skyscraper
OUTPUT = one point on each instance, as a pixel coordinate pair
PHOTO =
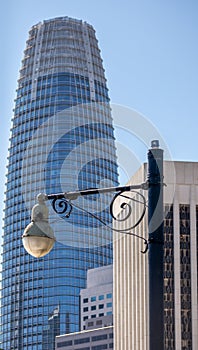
(61, 140)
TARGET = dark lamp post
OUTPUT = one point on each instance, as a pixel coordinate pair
(156, 247)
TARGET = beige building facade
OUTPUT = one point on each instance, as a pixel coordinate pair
(131, 308)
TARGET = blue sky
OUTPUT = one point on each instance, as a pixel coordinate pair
(150, 56)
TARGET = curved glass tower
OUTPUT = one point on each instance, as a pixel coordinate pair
(61, 140)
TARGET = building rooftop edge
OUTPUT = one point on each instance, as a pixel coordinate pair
(84, 331)
(174, 161)
(54, 19)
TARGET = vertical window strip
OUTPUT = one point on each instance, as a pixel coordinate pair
(169, 319)
(185, 276)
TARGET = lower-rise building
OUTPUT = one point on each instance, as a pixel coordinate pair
(97, 299)
(93, 339)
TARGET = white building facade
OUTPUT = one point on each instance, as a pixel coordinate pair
(180, 267)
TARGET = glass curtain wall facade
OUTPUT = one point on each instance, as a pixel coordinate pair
(62, 139)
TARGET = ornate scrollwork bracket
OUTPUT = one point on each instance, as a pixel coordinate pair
(121, 207)
(62, 206)
(125, 205)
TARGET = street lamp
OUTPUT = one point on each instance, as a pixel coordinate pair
(38, 237)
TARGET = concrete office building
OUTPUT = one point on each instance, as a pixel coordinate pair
(97, 298)
(62, 139)
(180, 267)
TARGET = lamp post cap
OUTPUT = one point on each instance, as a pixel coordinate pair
(155, 144)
